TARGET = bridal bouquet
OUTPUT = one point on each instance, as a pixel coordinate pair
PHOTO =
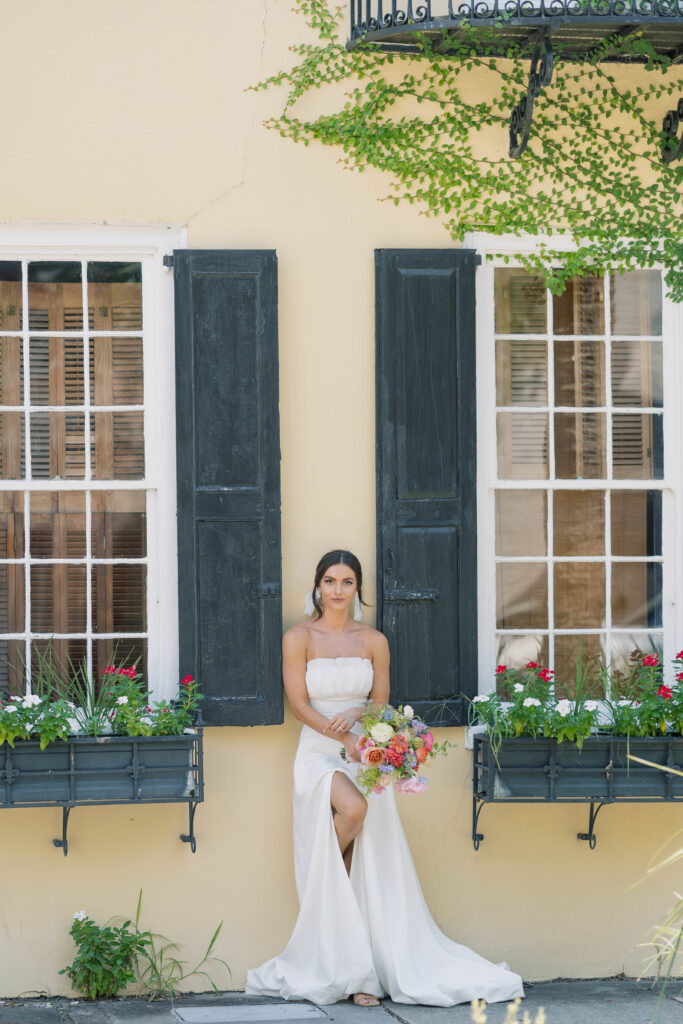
(393, 746)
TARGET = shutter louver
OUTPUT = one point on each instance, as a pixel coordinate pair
(426, 477)
(228, 460)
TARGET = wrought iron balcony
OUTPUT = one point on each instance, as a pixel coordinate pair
(576, 27)
(540, 30)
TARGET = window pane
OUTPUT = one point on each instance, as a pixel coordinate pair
(119, 524)
(581, 307)
(637, 447)
(521, 523)
(55, 661)
(580, 446)
(637, 373)
(11, 524)
(11, 371)
(521, 373)
(520, 302)
(518, 651)
(636, 302)
(115, 295)
(637, 594)
(55, 296)
(628, 648)
(522, 445)
(119, 598)
(10, 295)
(116, 371)
(579, 373)
(12, 450)
(57, 524)
(578, 661)
(56, 369)
(58, 598)
(123, 652)
(579, 595)
(57, 445)
(12, 598)
(579, 522)
(118, 449)
(636, 523)
(522, 595)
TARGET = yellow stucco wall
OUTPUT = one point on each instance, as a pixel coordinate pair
(134, 113)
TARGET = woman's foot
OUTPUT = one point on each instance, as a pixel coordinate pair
(365, 999)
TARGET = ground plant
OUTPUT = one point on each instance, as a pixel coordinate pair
(592, 172)
(106, 955)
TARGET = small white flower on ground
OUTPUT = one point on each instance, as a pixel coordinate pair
(481, 699)
(564, 707)
(591, 705)
(121, 700)
(518, 687)
(408, 712)
(382, 732)
(531, 702)
(80, 915)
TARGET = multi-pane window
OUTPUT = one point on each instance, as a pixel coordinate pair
(580, 469)
(73, 499)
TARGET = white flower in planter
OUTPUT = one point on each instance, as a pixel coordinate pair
(531, 702)
(518, 687)
(121, 700)
(10, 708)
(591, 705)
(564, 707)
(32, 700)
(481, 699)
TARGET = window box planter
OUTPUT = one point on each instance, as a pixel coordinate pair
(87, 770)
(540, 770)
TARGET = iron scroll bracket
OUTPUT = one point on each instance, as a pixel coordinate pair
(590, 836)
(63, 842)
(540, 75)
(670, 126)
(190, 837)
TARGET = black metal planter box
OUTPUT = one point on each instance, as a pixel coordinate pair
(86, 770)
(539, 770)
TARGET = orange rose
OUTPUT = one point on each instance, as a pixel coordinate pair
(372, 756)
(421, 753)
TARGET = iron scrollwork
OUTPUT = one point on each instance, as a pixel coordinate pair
(540, 75)
(670, 128)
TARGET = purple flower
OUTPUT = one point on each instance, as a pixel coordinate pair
(386, 768)
(418, 726)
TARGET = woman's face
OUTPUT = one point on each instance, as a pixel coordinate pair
(337, 587)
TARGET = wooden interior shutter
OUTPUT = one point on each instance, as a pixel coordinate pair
(426, 477)
(228, 458)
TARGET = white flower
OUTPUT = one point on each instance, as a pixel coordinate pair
(481, 699)
(564, 707)
(408, 712)
(121, 700)
(80, 915)
(531, 702)
(31, 700)
(591, 705)
(382, 732)
(11, 707)
(624, 704)
(518, 687)
(146, 720)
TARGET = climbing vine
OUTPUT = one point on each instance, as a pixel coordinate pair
(592, 170)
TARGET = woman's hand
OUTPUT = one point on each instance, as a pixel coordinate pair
(343, 721)
(349, 741)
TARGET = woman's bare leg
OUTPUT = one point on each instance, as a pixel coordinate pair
(349, 807)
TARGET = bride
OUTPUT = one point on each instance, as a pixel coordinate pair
(363, 928)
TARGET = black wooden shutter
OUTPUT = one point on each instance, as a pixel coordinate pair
(228, 456)
(426, 477)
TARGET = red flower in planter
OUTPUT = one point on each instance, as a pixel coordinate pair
(532, 664)
(679, 656)
(650, 660)
(665, 692)
(501, 669)
(679, 675)
(546, 675)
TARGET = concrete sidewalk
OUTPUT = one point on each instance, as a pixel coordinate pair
(601, 1001)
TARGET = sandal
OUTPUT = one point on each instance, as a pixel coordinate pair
(364, 999)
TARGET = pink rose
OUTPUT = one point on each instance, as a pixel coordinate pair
(428, 740)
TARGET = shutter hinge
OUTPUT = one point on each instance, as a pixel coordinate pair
(269, 590)
(168, 260)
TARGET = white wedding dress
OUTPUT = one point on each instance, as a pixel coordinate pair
(370, 931)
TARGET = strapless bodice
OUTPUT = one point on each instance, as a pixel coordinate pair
(337, 683)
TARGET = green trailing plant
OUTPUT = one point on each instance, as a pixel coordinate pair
(106, 956)
(592, 170)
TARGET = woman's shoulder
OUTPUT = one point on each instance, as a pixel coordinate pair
(296, 637)
(375, 641)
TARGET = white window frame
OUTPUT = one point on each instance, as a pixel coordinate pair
(147, 245)
(493, 250)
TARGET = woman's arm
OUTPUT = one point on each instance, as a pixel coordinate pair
(379, 693)
(294, 677)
